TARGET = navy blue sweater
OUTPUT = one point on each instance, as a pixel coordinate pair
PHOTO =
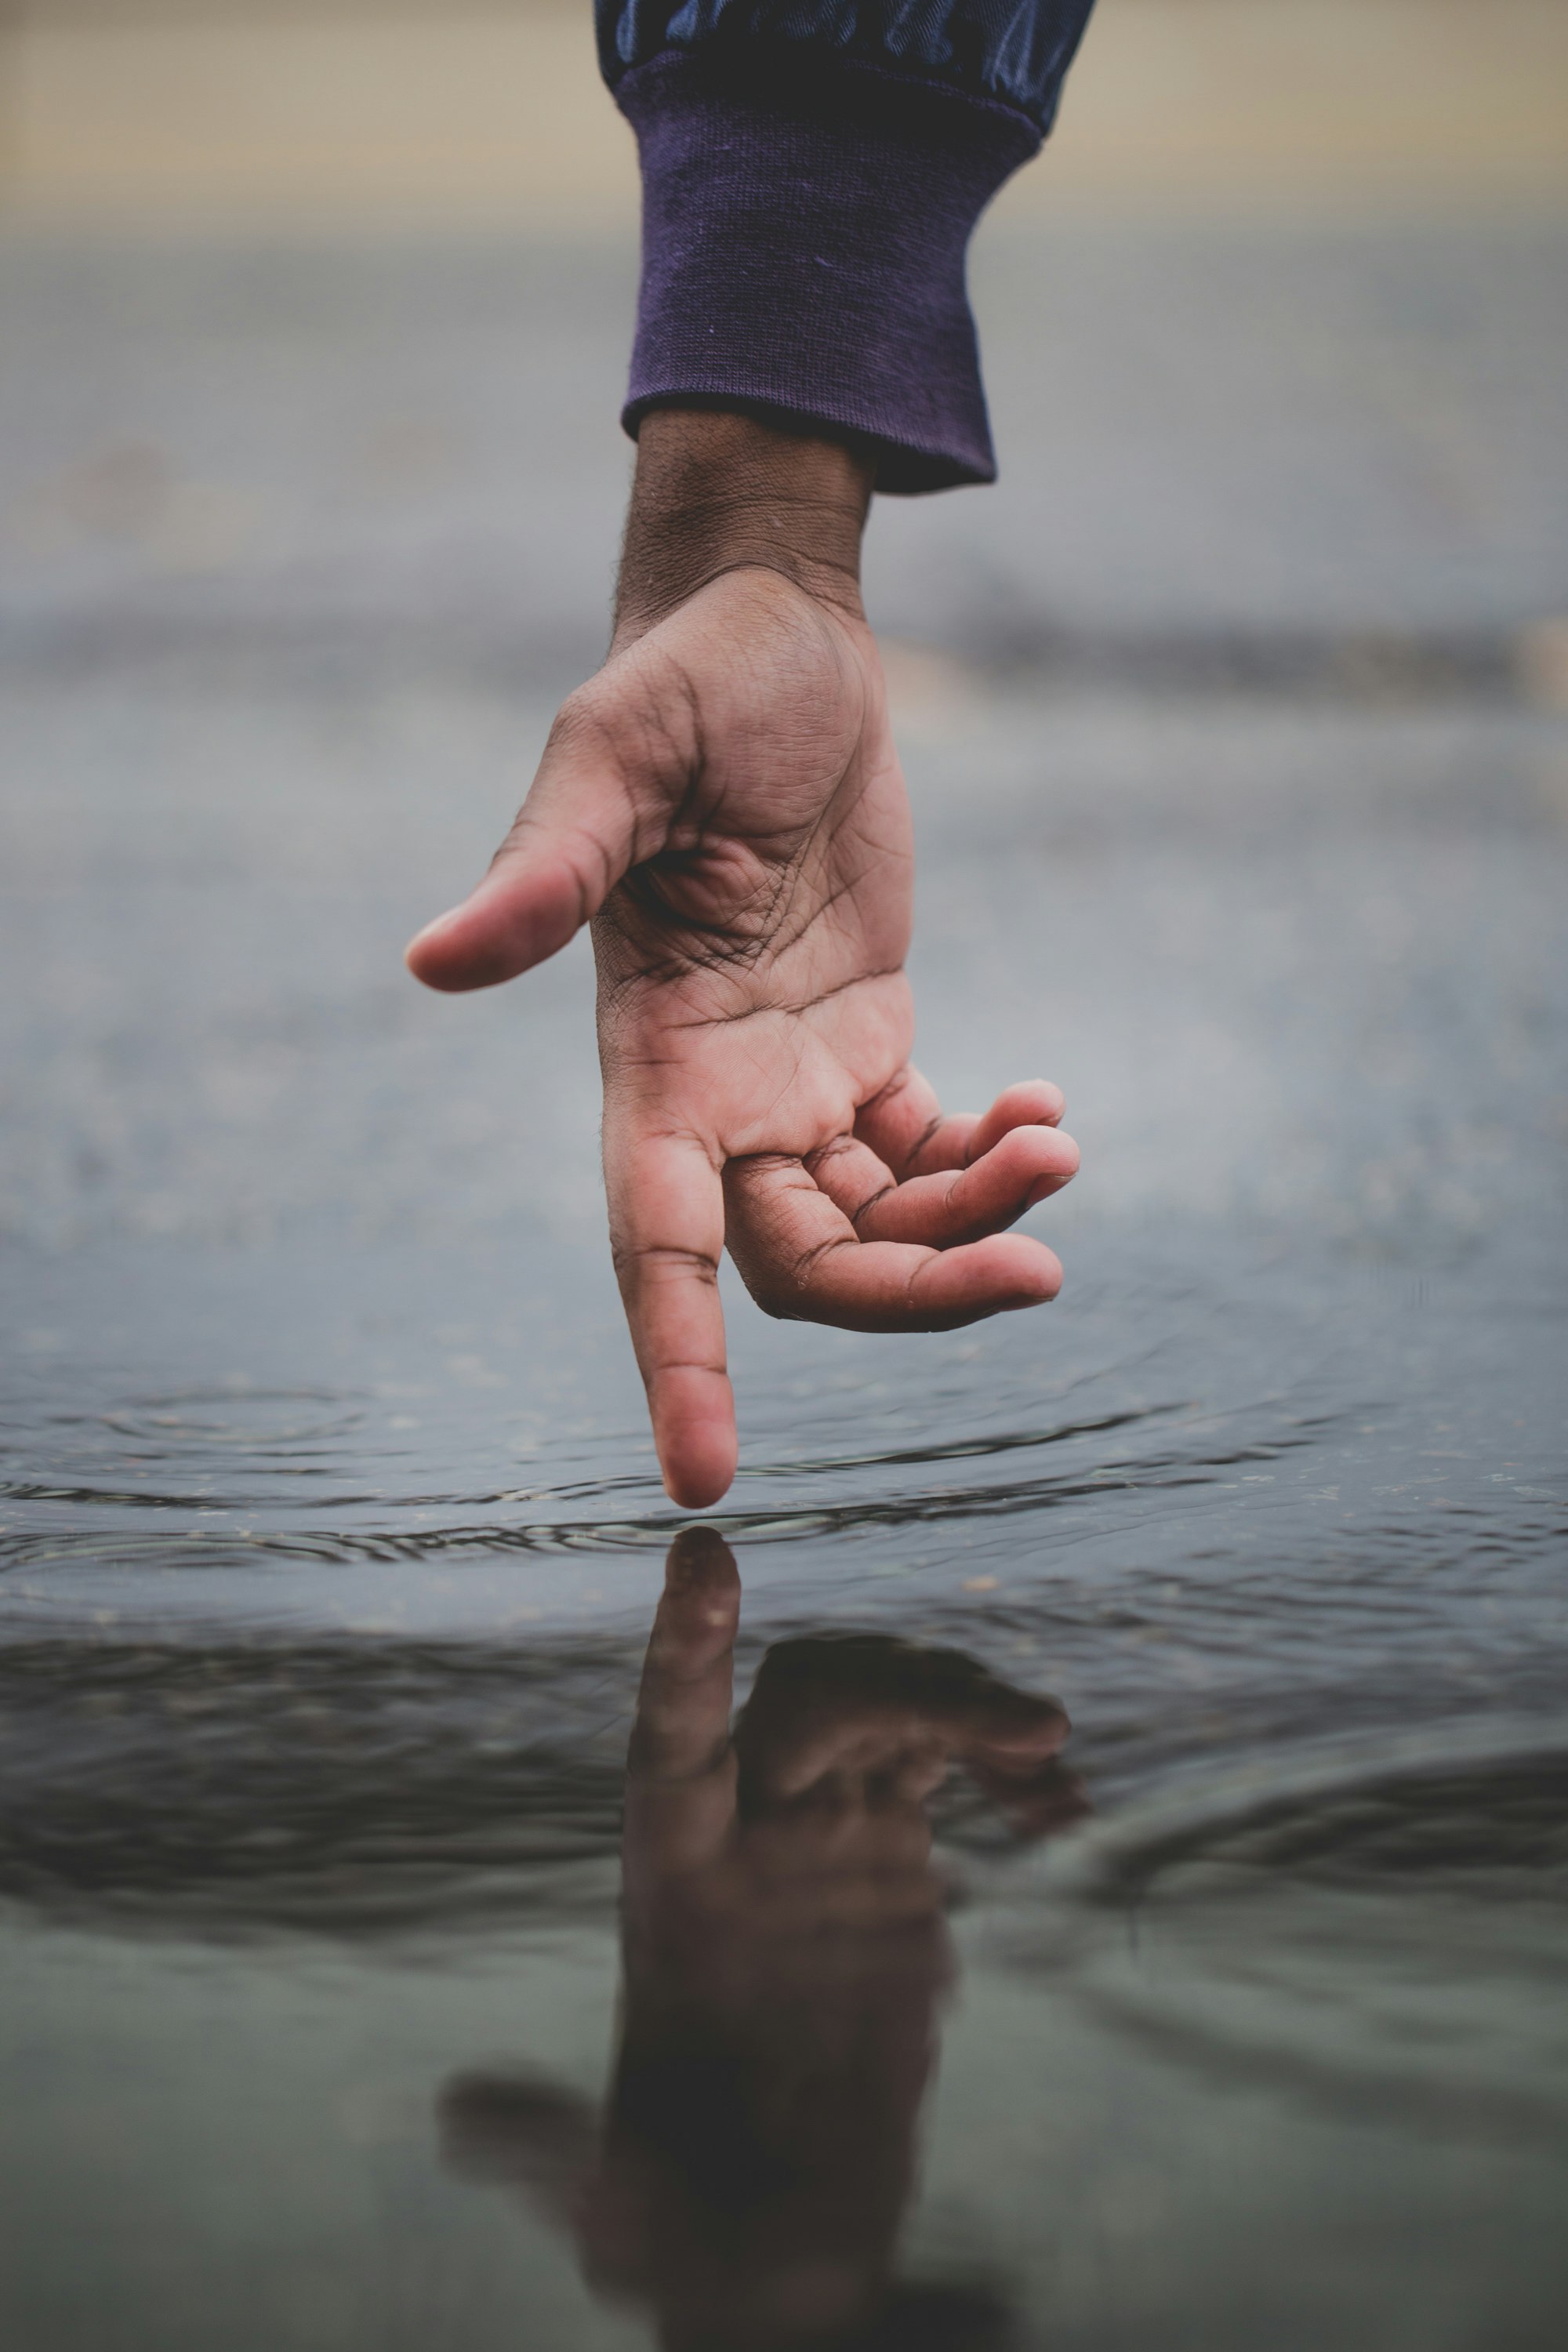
(810, 175)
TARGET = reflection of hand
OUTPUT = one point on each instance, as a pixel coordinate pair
(814, 1814)
(724, 801)
(785, 1948)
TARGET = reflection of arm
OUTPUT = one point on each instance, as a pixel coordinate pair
(810, 175)
(784, 1952)
(781, 1973)
(786, 1947)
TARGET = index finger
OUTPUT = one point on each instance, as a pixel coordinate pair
(667, 1230)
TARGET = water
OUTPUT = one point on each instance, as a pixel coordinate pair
(1133, 1905)
(1246, 2013)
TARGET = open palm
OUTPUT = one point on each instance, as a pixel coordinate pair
(724, 802)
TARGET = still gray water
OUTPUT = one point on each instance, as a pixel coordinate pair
(1133, 1906)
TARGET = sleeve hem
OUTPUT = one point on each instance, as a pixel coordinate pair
(805, 230)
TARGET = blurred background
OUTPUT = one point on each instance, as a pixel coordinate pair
(313, 326)
(1271, 327)
(321, 111)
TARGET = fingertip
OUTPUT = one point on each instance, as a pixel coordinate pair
(423, 955)
(701, 1604)
(1033, 1102)
(999, 1276)
(1027, 1151)
(698, 1477)
(512, 922)
(1019, 1271)
(1065, 1162)
(1041, 1284)
(694, 1431)
(1019, 1728)
(1049, 1275)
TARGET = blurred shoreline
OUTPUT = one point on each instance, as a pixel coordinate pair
(273, 116)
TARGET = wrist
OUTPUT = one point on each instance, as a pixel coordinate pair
(718, 490)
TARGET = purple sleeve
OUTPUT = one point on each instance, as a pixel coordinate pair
(804, 227)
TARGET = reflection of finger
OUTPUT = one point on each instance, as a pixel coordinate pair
(682, 1724)
(920, 1769)
(667, 1230)
(1007, 1730)
(701, 1601)
(1040, 1804)
(515, 2129)
(849, 1734)
(680, 1770)
(829, 1834)
(963, 1204)
(800, 1257)
(824, 1707)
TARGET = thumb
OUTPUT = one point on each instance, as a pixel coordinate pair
(576, 835)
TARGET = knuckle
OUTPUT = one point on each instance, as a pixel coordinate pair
(767, 1291)
(925, 1138)
(806, 1263)
(872, 1202)
(840, 1147)
(581, 717)
(673, 1258)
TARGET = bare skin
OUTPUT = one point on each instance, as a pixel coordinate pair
(723, 802)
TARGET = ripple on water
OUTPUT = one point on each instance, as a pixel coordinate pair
(226, 1790)
(261, 1421)
(1143, 1450)
(1383, 1929)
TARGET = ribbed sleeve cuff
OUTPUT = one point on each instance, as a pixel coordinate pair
(803, 235)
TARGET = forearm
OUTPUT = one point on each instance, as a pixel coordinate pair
(716, 491)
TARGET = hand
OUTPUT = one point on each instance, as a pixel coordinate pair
(724, 803)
